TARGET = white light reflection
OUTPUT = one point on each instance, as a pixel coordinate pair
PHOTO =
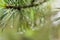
(56, 7)
(56, 17)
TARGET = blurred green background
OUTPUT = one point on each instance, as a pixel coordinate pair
(23, 20)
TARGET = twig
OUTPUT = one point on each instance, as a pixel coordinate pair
(27, 6)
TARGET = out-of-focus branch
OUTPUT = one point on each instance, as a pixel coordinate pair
(27, 6)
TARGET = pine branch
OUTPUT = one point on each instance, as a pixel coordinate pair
(20, 7)
(28, 6)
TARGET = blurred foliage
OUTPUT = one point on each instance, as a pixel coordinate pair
(31, 23)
